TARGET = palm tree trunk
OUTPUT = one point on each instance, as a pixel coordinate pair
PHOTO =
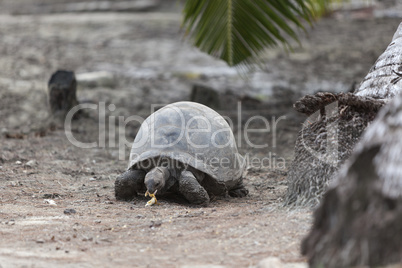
(335, 124)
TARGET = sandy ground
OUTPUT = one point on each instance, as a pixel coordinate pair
(151, 64)
(232, 232)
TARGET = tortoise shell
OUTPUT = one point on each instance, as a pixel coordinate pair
(192, 134)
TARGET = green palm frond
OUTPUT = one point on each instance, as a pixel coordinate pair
(236, 30)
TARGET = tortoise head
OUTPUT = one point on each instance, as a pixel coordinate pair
(156, 178)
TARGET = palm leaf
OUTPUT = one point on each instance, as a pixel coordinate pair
(236, 30)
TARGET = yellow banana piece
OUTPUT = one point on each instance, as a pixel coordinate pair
(153, 201)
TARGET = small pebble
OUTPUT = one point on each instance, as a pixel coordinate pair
(92, 179)
(31, 163)
(98, 221)
(69, 211)
(155, 224)
(11, 222)
(15, 183)
(18, 162)
(50, 202)
(270, 262)
(50, 196)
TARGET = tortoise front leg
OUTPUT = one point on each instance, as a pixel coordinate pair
(239, 191)
(192, 190)
(128, 184)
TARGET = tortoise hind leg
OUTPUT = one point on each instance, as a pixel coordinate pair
(238, 191)
(128, 184)
(190, 188)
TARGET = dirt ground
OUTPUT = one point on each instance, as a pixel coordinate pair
(57, 200)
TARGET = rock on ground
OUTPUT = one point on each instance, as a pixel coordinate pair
(62, 90)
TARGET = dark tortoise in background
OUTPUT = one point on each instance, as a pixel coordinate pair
(184, 148)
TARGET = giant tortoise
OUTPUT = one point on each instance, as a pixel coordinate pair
(185, 148)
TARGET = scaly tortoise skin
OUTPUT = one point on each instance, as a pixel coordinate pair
(186, 148)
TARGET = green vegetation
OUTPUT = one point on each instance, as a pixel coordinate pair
(238, 30)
